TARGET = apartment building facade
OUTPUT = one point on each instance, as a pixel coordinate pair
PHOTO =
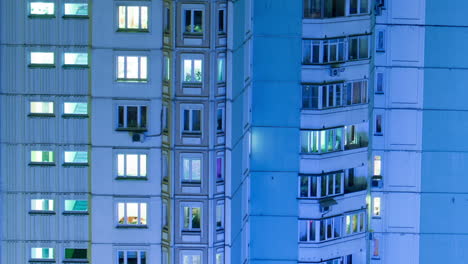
(248, 131)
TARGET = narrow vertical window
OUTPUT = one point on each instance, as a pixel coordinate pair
(42, 9)
(221, 21)
(378, 124)
(167, 20)
(220, 215)
(219, 168)
(379, 82)
(377, 165)
(380, 41)
(220, 120)
(221, 69)
(376, 207)
(133, 18)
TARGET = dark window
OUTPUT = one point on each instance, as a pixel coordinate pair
(75, 253)
(221, 21)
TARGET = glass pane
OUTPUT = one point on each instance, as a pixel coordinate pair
(187, 70)
(143, 165)
(133, 17)
(122, 17)
(76, 59)
(75, 108)
(197, 21)
(132, 116)
(219, 119)
(219, 215)
(120, 165)
(323, 186)
(338, 183)
(221, 70)
(121, 213)
(197, 70)
(76, 253)
(186, 175)
(142, 257)
(143, 116)
(316, 52)
(42, 8)
(355, 223)
(196, 217)
(363, 47)
(132, 67)
(312, 230)
(132, 213)
(304, 186)
(143, 214)
(221, 20)
(196, 259)
(219, 168)
(121, 257)
(132, 257)
(302, 231)
(144, 17)
(42, 107)
(76, 9)
(364, 6)
(313, 186)
(353, 8)
(76, 205)
(121, 67)
(196, 169)
(196, 120)
(42, 58)
(188, 21)
(186, 218)
(143, 67)
(76, 156)
(131, 165)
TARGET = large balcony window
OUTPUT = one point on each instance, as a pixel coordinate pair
(324, 51)
(334, 95)
(317, 9)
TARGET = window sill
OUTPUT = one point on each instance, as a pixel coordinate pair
(41, 16)
(379, 92)
(75, 66)
(222, 34)
(33, 212)
(321, 198)
(343, 18)
(75, 17)
(47, 164)
(193, 35)
(75, 261)
(132, 129)
(378, 134)
(376, 217)
(129, 30)
(219, 229)
(191, 134)
(74, 116)
(42, 260)
(41, 115)
(192, 84)
(131, 178)
(40, 66)
(380, 50)
(132, 80)
(191, 232)
(191, 183)
(131, 226)
(75, 213)
(75, 164)
(220, 181)
(334, 108)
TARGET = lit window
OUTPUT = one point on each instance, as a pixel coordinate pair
(220, 215)
(334, 95)
(131, 165)
(192, 120)
(192, 70)
(132, 213)
(80, 157)
(165, 255)
(219, 256)
(219, 168)
(358, 48)
(322, 141)
(221, 69)
(191, 169)
(380, 45)
(377, 165)
(76, 253)
(132, 68)
(42, 253)
(191, 257)
(38, 156)
(378, 124)
(220, 119)
(75, 59)
(359, 7)
(42, 58)
(132, 117)
(192, 218)
(221, 21)
(376, 207)
(76, 205)
(41, 108)
(321, 185)
(193, 21)
(167, 68)
(76, 9)
(165, 214)
(42, 8)
(131, 257)
(324, 8)
(42, 205)
(133, 18)
(379, 82)
(70, 108)
(165, 118)
(375, 251)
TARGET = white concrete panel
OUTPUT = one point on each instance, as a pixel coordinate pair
(406, 10)
(402, 170)
(405, 86)
(408, 124)
(405, 44)
(402, 212)
(401, 249)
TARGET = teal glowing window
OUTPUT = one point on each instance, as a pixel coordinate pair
(76, 205)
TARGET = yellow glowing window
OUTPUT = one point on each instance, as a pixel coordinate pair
(377, 165)
(41, 108)
(376, 206)
(133, 17)
(42, 8)
(42, 58)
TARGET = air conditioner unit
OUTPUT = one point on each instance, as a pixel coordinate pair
(334, 72)
(138, 137)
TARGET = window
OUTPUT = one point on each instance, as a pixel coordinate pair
(191, 169)
(322, 141)
(193, 21)
(220, 119)
(80, 157)
(42, 59)
(165, 214)
(376, 207)
(76, 205)
(219, 256)
(72, 108)
(380, 46)
(132, 213)
(356, 136)
(132, 117)
(192, 121)
(192, 218)
(132, 68)
(42, 205)
(165, 119)
(334, 95)
(378, 124)
(191, 258)
(220, 215)
(167, 68)
(358, 7)
(165, 255)
(377, 165)
(324, 8)
(167, 20)
(76, 253)
(42, 253)
(131, 165)
(358, 48)
(219, 168)
(317, 230)
(221, 69)
(221, 21)
(131, 257)
(41, 108)
(133, 18)
(375, 246)
(39, 156)
(42, 9)
(76, 9)
(323, 51)
(379, 83)
(192, 70)
(75, 59)
(165, 166)
(319, 186)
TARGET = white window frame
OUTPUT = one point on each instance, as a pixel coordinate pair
(376, 207)
(125, 255)
(219, 155)
(221, 68)
(143, 63)
(190, 206)
(191, 108)
(378, 119)
(380, 39)
(142, 169)
(43, 162)
(218, 28)
(139, 117)
(165, 118)
(358, 11)
(377, 165)
(167, 19)
(221, 108)
(192, 58)
(379, 81)
(190, 157)
(167, 68)
(191, 253)
(141, 27)
(319, 180)
(165, 166)
(50, 250)
(192, 9)
(125, 218)
(219, 256)
(65, 64)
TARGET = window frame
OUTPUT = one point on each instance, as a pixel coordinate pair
(49, 203)
(191, 124)
(139, 154)
(193, 79)
(42, 163)
(68, 163)
(378, 125)
(192, 9)
(65, 211)
(140, 28)
(191, 206)
(221, 165)
(221, 68)
(65, 15)
(51, 251)
(142, 123)
(191, 253)
(316, 186)
(125, 216)
(74, 259)
(42, 64)
(220, 218)
(221, 30)
(53, 15)
(190, 157)
(139, 252)
(42, 114)
(379, 82)
(380, 39)
(125, 78)
(64, 114)
(67, 65)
